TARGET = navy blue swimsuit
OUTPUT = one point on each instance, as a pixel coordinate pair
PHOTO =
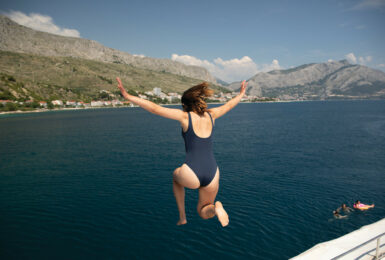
(199, 153)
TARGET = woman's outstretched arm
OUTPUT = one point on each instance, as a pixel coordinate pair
(175, 114)
(217, 112)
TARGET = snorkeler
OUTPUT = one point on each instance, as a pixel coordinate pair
(200, 170)
(361, 206)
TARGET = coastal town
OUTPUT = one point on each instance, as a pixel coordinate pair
(111, 100)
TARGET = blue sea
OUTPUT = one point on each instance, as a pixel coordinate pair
(97, 184)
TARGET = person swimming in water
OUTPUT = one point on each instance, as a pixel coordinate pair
(200, 170)
(361, 206)
(344, 208)
(336, 214)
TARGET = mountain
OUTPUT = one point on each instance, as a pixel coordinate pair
(221, 82)
(27, 76)
(317, 81)
(18, 38)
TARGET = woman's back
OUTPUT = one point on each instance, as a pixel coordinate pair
(202, 125)
(199, 147)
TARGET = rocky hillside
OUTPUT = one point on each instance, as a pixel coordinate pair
(331, 80)
(27, 76)
(18, 38)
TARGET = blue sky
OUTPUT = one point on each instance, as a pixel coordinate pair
(233, 39)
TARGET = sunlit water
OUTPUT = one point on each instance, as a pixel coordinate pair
(97, 184)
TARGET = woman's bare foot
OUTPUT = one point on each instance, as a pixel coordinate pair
(221, 214)
(181, 222)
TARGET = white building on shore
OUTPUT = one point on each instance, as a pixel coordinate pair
(116, 102)
(80, 104)
(97, 103)
(157, 91)
(71, 103)
(57, 102)
(4, 102)
(43, 104)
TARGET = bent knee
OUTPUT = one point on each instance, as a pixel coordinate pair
(205, 213)
(203, 216)
(175, 173)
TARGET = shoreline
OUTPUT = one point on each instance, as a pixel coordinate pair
(40, 110)
(43, 110)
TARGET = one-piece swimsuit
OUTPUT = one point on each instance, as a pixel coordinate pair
(199, 153)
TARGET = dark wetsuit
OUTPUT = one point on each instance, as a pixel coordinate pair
(199, 153)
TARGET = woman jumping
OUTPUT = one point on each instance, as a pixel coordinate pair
(200, 170)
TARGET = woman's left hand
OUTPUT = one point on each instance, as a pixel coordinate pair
(243, 87)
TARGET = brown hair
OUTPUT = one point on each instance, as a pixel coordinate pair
(193, 98)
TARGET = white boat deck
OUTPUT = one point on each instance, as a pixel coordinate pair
(334, 248)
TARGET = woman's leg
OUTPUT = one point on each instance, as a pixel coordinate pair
(179, 197)
(183, 177)
(207, 194)
(206, 208)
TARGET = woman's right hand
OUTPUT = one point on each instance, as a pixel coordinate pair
(243, 88)
(122, 90)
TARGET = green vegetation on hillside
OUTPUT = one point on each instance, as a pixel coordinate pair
(26, 76)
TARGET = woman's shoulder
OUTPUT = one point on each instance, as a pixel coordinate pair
(211, 112)
(206, 114)
(185, 116)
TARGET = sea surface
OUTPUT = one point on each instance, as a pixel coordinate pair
(97, 184)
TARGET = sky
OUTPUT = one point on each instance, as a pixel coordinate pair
(234, 40)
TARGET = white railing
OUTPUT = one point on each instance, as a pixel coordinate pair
(359, 244)
(378, 256)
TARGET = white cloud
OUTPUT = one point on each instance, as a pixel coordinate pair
(234, 69)
(139, 55)
(228, 70)
(351, 57)
(381, 65)
(330, 60)
(369, 4)
(191, 60)
(273, 66)
(41, 23)
(360, 60)
(364, 60)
